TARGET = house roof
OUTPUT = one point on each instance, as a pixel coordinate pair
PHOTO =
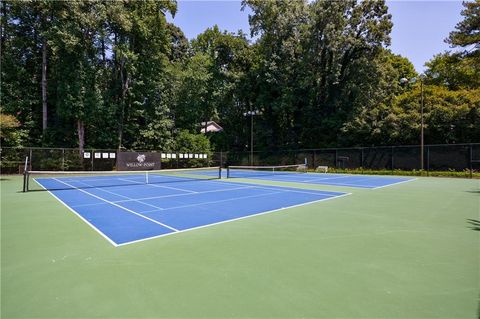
(211, 126)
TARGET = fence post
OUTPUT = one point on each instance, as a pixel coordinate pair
(314, 158)
(362, 160)
(63, 159)
(428, 160)
(30, 158)
(392, 158)
(471, 160)
(336, 158)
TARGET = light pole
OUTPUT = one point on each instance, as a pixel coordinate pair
(252, 113)
(413, 80)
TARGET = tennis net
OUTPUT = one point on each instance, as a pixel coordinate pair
(63, 180)
(258, 171)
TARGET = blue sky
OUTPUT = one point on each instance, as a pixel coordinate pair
(418, 33)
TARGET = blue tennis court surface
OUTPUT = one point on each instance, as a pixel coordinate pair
(361, 181)
(138, 211)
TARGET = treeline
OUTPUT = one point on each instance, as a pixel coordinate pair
(116, 74)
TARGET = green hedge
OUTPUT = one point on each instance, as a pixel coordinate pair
(450, 173)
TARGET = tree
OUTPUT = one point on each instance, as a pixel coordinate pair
(24, 63)
(454, 71)
(140, 49)
(374, 122)
(229, 64)
(278, 71)
(111, 74)
(467, 31)
(10, 134)
(318, 63)
(450, 116)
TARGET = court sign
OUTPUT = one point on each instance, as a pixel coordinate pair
(138, 161)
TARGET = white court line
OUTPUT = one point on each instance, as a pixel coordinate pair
(325, 178)
(119, 206)
(199, 193)
(409, 180)
(78, 215)
(218, 201)
(366, 179)
(160, 186)
(276, 179)
(235, 219)
(185, 230)
(294, 190)
(346, 184)
(129, 198)
(277, 190)
(329, 183)
(126, 180)
(86, 205)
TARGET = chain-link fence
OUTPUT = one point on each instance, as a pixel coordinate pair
(454, 157)
(12, 160)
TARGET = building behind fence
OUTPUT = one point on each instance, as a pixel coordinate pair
(455, 157)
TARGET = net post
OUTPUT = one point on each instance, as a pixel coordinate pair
(228, 171)
(24, 182)
(220, 172)
(25, 175)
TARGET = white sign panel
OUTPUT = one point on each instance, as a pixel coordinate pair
(98, 155)
(112, 155)
(86, 154)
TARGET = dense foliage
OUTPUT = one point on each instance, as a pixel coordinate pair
(116, 74)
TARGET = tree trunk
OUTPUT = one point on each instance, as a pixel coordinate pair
(104, 59)
(125, 84)
(81, 136)
(44, 84)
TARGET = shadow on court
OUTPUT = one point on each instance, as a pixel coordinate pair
(474, 224)
(474, 192)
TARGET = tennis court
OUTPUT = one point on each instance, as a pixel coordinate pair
(130, 207)
(405, 251)
(285, 174)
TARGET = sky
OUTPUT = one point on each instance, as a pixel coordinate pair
(419, 30)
